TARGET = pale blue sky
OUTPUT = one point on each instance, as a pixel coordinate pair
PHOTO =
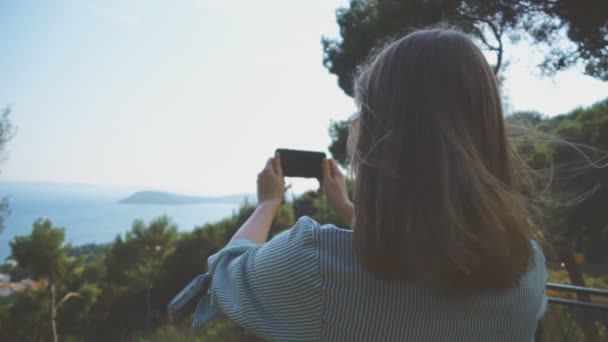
(189, 95)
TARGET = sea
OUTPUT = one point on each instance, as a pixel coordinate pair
(92, 214)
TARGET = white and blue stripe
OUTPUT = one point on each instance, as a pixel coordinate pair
(305, 285)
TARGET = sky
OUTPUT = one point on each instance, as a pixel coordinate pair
(190, 96)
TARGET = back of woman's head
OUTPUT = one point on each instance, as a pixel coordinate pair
(436, 193)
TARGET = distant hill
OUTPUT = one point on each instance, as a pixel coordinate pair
(158, 197)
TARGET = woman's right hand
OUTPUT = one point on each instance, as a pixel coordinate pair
(333, 186)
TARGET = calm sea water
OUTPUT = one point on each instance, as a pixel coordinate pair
(92, 214)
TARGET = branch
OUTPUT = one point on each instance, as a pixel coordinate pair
(497, 34)
(485, 41)
(65, 299)
(481, 36)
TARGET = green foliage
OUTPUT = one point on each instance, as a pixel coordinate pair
(589, 125)
(222, 330)
(586, 25)
(314, 205)
(6, 268)
(284, 219)
(365, 24)
(42, 251)
(132, 270)
(114, 281)
(16, 272)
(338, 133)
(136, 260)
(25, 318)
(560, 322)
(571, 151)
(89, 251)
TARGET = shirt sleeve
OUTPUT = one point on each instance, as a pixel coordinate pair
(271, 290)
(540, 264)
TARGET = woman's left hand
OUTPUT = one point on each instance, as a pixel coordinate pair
(270, 196)
(271, 184)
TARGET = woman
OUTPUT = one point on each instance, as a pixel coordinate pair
(441, 247)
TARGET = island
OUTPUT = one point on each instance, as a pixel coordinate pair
(159, 197)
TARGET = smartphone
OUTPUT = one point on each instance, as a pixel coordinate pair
(303, 164)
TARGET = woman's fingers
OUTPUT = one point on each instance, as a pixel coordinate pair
(270, 186)
(276, 165)
(335, 171)
(269, 167)
(326, 169)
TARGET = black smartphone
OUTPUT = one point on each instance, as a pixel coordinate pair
(304, 164)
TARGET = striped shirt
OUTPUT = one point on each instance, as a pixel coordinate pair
(305, 285)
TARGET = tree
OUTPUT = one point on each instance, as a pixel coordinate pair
(573, 148)
(24, 319)
(134, 267)
(586, 26)
(366, 23)
(314, 205)
(6, 133)
(43, 252)
(569, 153)
(338, 132)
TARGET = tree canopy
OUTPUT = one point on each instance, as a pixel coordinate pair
(367, 23)
(42, 251)
(573, 148)
(586, 26)
(44, 254)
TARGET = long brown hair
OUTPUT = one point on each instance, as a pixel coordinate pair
(436, 190)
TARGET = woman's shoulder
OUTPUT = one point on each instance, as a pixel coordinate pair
(539, 256)
(308, 228)
(304, 230)
(318, 240)
(537, 274)
(330, 241)
(303, 237)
